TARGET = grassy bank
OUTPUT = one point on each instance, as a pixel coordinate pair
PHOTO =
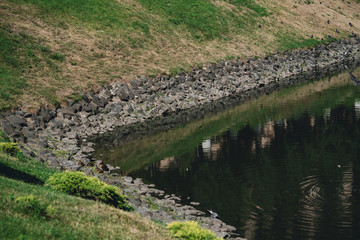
(53, 50)
(70, 217)
(74, 218)
(34, 204)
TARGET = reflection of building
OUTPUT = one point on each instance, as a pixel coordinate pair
(206, 147)
(266, 135)
(327, 112)
(357, 108)
(211, 149)
(312, 121)
(166, 163)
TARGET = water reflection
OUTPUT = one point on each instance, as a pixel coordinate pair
(286, 179)
(357, 108)
(290, 179)
(283, 167)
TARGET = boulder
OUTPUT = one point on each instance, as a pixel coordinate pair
(67, 112)
(101, 102)
(46, 114)
(90, 107)
(87, 150)
(8, 129)
(16, 121)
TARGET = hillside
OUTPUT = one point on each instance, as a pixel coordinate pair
(53, 50)
(72, 217)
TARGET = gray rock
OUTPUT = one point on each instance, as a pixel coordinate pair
(90, 107)
(87, 150)
(124, 96)
(8, 129)
(39, 122)
(72, 135)
(89, 172)
(67, 112)
(101, 102)
(46, 114)
(28, 115)
(128, 179)
(16, 121)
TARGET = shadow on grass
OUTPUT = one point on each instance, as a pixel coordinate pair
(9, 172)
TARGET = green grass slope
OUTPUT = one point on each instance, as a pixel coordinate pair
(31, 210)
(52, 50)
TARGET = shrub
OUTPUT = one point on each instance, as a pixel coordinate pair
(76, 183)
(30, 205)
(190, 230)
(10, 148)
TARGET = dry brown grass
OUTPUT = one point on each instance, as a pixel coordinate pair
(100, 59)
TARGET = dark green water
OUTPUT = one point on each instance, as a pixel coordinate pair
(284, 166)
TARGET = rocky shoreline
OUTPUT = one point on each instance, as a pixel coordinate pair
(65, 137)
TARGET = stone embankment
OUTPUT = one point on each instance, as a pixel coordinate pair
(65, 137)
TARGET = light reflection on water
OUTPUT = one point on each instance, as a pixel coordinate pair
(293, 177)
(290, 171)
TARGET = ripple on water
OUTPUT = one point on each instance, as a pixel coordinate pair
(314, 211)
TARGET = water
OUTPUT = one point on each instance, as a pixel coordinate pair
(284, 166)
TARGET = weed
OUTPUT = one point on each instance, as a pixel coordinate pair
(144, 27)
(252, 5)
(202, 18)
(291, 41)
(76, 97)
(9, 148)
(231, 57)
(152, 204)
(176, 70)
(58, 57)
(3, 137)
(32, 206)
(61, 153)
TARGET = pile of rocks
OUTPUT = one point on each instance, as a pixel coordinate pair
(65, 137)
(159, 206)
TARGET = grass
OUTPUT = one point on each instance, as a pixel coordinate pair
(24, 168)
(51, 50)
(20, 56)
(291, 41)
(97, 13)
(75, 218)
(31, 210)
(3, 137)
(201, 18)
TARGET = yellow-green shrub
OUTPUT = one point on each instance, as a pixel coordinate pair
(10, 148)
(76, 183)
(190, 230)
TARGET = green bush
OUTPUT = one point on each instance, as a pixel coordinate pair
(190, 230)
(10, 148)
(76, 183)
(30, 205)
